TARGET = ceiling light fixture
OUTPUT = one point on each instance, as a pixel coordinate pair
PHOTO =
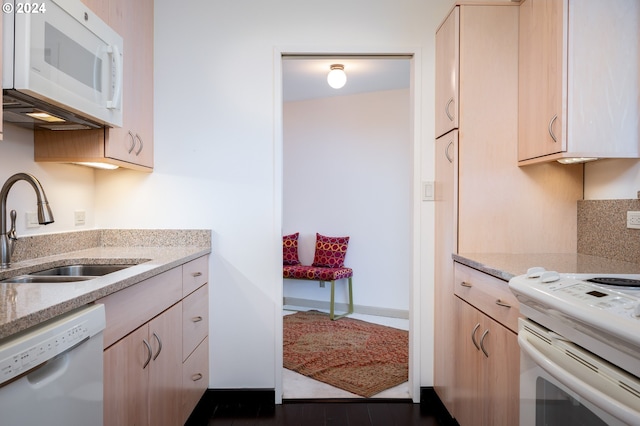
(336, 77)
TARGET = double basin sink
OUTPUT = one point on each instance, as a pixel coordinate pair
(64, 274)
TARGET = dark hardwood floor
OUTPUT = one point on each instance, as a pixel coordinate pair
(338, 412)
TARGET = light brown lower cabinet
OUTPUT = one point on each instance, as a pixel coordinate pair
(150, 376)
(487, 370)
(144, 384)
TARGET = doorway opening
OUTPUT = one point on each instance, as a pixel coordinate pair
(348, 169)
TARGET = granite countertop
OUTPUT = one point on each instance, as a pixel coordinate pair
(24, 305)
(506, 265)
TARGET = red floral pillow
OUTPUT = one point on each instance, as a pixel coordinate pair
(290, 249)
(330, 251)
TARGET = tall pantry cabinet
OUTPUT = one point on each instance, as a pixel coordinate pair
(485, 203)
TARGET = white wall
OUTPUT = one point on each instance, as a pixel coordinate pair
(68, 187)
(612, 179)
(347, 171)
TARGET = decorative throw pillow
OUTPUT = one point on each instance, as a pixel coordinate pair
(330, 251)
(290, 249)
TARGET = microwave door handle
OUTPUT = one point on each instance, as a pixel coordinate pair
(114, 103)
(597, 398)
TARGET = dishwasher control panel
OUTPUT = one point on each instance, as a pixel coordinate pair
(27, 350)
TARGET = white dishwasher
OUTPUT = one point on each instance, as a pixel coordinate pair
(51, 374)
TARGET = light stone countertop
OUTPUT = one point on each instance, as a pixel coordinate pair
(24, 305)
(507, 265)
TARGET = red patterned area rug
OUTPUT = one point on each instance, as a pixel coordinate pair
(357, 356)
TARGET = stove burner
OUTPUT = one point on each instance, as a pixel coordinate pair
(620, 282)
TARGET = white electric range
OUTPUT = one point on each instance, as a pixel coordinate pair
(580, 348)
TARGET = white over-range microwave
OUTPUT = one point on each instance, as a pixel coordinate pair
(62, 66)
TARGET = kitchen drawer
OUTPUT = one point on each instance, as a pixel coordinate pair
(195, 274)
(195, 319)
(488, 294)
(133, 306)
(195, 378)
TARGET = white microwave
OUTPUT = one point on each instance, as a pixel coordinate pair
(62, 66)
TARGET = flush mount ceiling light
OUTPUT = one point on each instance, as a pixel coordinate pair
(336, 77)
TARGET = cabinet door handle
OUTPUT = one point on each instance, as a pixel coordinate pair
(473, 336)
(501, 303)
(446, 152)
(149, 353)
(196, 274)
(482, 343)
(159, 345)
(196, 377)
(466, 284)
(196, 319)
(446, 109)
(132, 142)
(553, 119)
(141, 144)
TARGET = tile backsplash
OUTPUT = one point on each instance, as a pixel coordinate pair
(603, 232)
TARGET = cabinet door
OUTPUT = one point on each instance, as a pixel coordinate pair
(133, 142)
(499, 389)
(126, 380)
(165, 380)
(542, 83)
(445, 245)
(468, 374)
(447, 73)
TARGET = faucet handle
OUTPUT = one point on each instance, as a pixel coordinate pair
(12, 231)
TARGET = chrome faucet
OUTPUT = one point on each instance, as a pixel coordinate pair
(45, 216)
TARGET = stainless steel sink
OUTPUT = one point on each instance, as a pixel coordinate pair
(66, 274)
(34, 279)
(81, 270)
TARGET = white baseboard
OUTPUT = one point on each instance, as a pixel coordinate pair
(342, 307)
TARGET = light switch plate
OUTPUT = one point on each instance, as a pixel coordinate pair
(31, 218)
(428, 191)
(633, 220)
(79, 217)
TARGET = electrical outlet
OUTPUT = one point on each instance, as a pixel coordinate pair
(31, 218)
(633, 220)
(79, 217)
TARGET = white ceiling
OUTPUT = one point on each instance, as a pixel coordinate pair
(306, 77)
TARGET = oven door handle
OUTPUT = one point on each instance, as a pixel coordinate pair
(585, 390)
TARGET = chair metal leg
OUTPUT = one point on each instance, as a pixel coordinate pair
(332, 316)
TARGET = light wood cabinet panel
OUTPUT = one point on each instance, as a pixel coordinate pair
(130, 146)
(126, 382)
(447, 73)
(195, 374)
(195, 320)
(488, 370)
(165, 378)
(488, 294)
(578, 80)
(195, 274)
(446, 196)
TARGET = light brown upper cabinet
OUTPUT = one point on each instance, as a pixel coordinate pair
(578, 79)
(447, 73)
(130, 146)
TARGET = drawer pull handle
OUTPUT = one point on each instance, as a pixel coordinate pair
(196, 319)
(149, 353)
(501, 303)
(159, 345)
(446, 109)
(196, 377)
(482, 343)
(466, 284)
(473, 336)
(196, 274)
